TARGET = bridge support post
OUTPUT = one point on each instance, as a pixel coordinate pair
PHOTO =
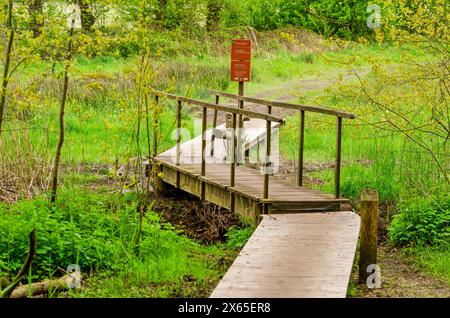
(258, 211)
(178, 147)
(233, 163)
(203, 172)
(268, 163)
(160, 185)
(369, 233)
(301, 147)
(337, 179)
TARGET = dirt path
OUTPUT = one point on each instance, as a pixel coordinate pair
(400, 279)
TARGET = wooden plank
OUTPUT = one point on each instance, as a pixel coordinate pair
(217, 107)
(294, 255)
(313, 109)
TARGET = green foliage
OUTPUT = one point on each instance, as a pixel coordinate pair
(331, 18)
(422, 221)
(237, 237)
(97, 233)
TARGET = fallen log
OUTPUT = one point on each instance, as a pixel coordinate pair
(41, 288)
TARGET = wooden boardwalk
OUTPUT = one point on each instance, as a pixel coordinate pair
(300, 247)
(295, 256)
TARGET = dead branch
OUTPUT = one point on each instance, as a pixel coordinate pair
(25, 268)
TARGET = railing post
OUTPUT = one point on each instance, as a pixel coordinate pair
(301, 148)
(337, 179)
(241, 124)
(233, 163)
(179, 107)
(155, 127)
(267, 161)
(213, 136)
(204, 121)
(178, 148)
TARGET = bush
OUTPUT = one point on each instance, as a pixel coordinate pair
(237, 237)
(422, 221)
(95, 232)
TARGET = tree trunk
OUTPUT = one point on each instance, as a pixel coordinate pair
(36, 9)
(62, 107)
(159, 16)
(213, 16)
(6, 74)
(87, 18)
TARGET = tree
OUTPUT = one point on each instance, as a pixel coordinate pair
(6, 71)
(36, 13)
(214, 8)
(87, 17)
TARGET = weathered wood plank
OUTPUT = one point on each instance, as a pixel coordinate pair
(295, 255)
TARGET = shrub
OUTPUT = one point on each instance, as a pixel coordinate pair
(422, 221)
(96, 232)
(237, 237)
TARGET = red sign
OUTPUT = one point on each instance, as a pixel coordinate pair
(241, 54)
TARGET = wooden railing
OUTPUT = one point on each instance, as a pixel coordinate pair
(302, 110)
(269, 118)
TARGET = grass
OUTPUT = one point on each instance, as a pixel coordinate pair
(432, 260)
(98, 232)
(101, 129)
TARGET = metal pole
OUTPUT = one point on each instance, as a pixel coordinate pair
(301, 147)
(337, 179)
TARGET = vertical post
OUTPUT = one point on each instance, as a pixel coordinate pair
(241, 123)
(179, 107)
(160, 185)
(267, 161)
(213, 136)
(233, 163)
(301, 148)
(240, 102)
(203, 172)
(178, 150)
(369, 231)
(155, 127)
(337, 179)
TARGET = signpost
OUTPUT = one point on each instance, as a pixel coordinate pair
(241, 55)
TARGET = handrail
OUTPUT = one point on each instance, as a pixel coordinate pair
(223, 108)
(313, 109)
(302, 110)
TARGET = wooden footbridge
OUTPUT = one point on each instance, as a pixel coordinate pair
(304, 245)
